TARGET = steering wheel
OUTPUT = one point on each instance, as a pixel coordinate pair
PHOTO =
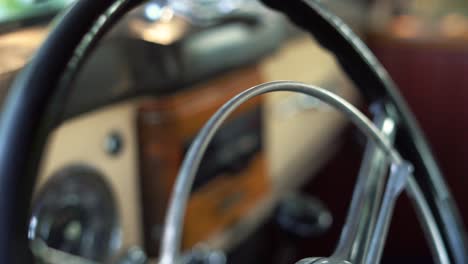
(34, 106)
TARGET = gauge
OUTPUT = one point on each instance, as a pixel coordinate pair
(75, 212)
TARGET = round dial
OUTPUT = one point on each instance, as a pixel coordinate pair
(75, 212)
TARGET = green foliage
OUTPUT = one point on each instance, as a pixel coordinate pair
(14, 9)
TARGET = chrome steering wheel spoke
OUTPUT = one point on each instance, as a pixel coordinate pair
(363, 236)
(397, 181)
(365, 203)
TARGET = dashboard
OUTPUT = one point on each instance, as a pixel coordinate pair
(130, 120)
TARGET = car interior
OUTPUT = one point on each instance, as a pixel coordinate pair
(233, 131)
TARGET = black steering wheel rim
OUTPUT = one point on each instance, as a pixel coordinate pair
(34, 104)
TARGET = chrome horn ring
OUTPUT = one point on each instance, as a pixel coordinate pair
(400, 178)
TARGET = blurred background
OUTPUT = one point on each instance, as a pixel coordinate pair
(281, 162)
